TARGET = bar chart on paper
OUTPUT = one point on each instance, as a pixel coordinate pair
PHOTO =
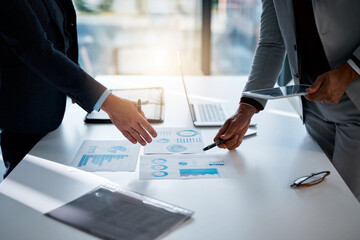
(176, 140)
(107, 156)
(186, 166)
(99, 159)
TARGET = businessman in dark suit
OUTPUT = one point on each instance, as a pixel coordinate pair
(39, 68)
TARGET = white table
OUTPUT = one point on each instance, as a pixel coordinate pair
(259, 204)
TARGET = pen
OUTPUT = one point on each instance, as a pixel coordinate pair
(214, 144)
(139, 105)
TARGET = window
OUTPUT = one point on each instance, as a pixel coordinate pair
(235, 26)
(138, 36)
(142, 36)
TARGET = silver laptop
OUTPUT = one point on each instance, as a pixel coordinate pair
(204, 114)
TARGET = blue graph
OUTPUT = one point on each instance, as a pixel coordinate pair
(176, 148)
(159, 174)
(217, 163)
(188, 140)
(99, 159)
(164, 133)
(159, 160)
(163, 140)
(114, 149)
(187, 133)
(159, 167)
(199, 171)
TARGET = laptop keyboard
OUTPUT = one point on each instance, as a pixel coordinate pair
(211, 113)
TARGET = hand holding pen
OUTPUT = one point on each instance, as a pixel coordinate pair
(214, 144)
(235, 127)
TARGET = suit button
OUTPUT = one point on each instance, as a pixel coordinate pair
(296, 75)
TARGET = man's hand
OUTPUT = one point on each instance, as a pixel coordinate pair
(331, 86)
(235, 127)
(124, 114)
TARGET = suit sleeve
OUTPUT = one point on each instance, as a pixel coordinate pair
(356, 54)
(269, 54)
(22, 31)
(354, 60)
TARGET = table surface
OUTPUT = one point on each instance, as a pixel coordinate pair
(258, 204)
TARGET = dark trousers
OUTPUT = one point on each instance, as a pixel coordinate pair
(15, 146)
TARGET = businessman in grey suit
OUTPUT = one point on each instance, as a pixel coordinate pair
(39, 68)
(322, 41)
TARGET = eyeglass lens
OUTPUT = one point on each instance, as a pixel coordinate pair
(311, 178)
(315, 178)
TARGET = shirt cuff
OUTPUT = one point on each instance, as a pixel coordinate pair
(353, 64)
(101, 100)
(253, 103)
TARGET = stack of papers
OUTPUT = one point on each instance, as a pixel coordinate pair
(174, 161)
(177, 153)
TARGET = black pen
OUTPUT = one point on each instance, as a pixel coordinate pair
(214, 144)
(139, 105)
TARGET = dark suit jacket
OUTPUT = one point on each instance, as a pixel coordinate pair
(35, 72)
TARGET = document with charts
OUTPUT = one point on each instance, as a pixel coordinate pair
(176, 140)
(107, 156)
(186, 166)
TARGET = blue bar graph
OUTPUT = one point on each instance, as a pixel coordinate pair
(196, 172)
(99, 159)
(217, 163)
(164, 133)
(188, 140)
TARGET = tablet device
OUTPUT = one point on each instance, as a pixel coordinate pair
(117, 213)
(152, 103)
(278, 92)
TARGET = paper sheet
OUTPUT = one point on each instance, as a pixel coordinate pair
(107, 156)
(176, 140)
(186, 166)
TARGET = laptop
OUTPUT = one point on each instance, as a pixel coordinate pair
(203, 114)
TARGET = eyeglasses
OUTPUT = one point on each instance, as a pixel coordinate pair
(311, 179)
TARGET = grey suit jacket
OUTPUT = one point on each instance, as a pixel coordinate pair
(338, 24)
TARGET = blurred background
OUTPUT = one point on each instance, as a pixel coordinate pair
(214, 37)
